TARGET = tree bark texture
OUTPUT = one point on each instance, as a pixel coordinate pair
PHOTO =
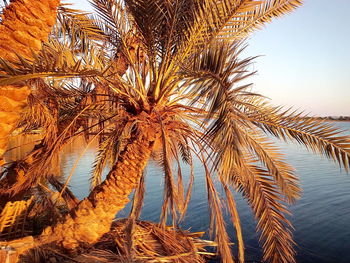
(94, 215)
(26, 24)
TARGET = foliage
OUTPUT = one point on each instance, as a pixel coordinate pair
(177, 60)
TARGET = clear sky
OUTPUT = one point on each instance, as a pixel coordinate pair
(305, 57)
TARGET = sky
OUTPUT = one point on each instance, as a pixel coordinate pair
(304, 57)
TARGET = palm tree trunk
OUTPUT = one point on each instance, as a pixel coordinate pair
(25, 25)
(93, 216)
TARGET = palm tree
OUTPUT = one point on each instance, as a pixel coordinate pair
(179, 96)
(24, 26)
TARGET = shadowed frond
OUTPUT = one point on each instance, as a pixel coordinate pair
(265, 199)
(217, 222)
(233, 135)
(109, 151)
(170, 198)
(77, 28)
(37, 115)
(231, 204)
(112, 19)
(149, 16)
(215, 74)
(259, 187)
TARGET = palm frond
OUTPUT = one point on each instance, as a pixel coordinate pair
(109, 151)
(185, 151)
(135, 213)
(3, 6)
(187, 197)
(266, 201)
(319, 136)
(215, 74)
(78, 27)
(138, 199)
(264, 13)
(183, 198)
(235, 221)
(217, 221)
(226, 20)
(149, 17)
(170, 198)
(52, 62)
(67, 194)
(269, 155)
(36, 116)
(113, 20)
(233, 137)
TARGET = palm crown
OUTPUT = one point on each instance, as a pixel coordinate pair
(163, 79)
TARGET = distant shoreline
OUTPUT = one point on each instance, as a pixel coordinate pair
(339, 120)
(329, 118)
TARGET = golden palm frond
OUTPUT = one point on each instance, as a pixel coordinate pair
(40, 162)
(226, 20)
(235, 19)
(271, 157)
(150, 18)
(37, 115)
(51, 65)
(319, 136)
(260, 188)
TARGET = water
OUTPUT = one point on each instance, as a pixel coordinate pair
(321, 217)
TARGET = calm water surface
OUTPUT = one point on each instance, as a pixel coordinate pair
(321, 217)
